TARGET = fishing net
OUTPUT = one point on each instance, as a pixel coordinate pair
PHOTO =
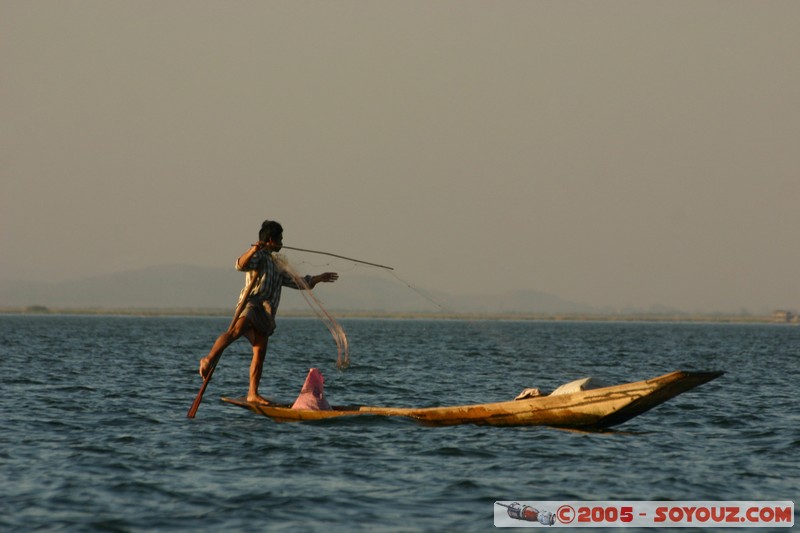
(336, 329)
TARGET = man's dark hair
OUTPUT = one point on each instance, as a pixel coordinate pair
(270, 229)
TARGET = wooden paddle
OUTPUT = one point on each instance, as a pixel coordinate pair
(239, 309)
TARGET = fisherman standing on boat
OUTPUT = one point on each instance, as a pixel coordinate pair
(256, 322)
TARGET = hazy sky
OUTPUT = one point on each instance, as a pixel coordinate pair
(613, 153)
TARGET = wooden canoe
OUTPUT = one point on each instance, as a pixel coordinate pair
(585, 409)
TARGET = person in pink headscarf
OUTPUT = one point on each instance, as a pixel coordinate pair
(311, 395)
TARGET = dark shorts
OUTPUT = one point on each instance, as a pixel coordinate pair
(259, 318)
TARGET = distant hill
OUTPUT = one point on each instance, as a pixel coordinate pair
(172, 286)
(191, 287)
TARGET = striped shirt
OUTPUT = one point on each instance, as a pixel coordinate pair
(273, 277)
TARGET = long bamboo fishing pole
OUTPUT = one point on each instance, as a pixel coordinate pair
(239, 309)
(339, 256)
(410, 286)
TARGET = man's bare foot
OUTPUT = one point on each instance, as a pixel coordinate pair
(257, 398)
(205, 368)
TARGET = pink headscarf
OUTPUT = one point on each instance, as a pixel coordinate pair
(311, 395)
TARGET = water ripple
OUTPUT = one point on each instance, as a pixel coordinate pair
(96, 439)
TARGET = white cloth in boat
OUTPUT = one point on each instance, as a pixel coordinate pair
(568, 388)
(574, 386)
(529, 393)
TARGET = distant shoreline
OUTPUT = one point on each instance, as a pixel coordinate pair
(554, 317)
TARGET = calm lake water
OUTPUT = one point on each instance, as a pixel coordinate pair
(95, 436)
